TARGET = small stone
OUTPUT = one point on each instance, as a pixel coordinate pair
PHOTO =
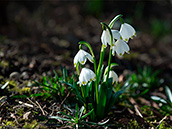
(25, 75)
(14, 75)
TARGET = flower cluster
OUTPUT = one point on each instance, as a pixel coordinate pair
(120, 39)
(118, 42)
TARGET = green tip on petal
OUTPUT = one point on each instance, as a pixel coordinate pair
(132, 37)
(120, 37)
(82, 62)
(134, 34)
(103, 26)
(120, 54)
(80, 46)
(126, 40)
(104, 46)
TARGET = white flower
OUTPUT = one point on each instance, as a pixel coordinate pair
(82, 57)
(106, 39)
(85, 76)
(120, 47)
(127, 31)
(112, 75)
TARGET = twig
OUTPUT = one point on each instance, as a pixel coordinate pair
(14, 117)
(65, 99)
(40, 108)
(26, 104)
(121, 110)
(136, 107)
(161, 121)
(137, 110)
(32, 102)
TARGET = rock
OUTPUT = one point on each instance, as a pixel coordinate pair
(25, 75)
(15, 75)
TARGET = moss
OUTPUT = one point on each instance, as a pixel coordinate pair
(31, 125)
(4, 64)
(9, 123)
(20, 111)
(25, 90)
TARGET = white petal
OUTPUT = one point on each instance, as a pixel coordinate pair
(121, 47)
(85, 76)
(105, 38)
(116, 34)
(89, 57)
(81, 57)
(127, 31)
(113, 75)
(131, 30)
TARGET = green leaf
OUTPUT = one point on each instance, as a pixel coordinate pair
(114, 98)
(59, 118)
(81, 111)
(77, 112)
(156, 98)
(66, 114)
(169, 94)
(87, 114)
(39, 84)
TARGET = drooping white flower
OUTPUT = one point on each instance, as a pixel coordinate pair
(106, 38)
(112, 75)
(120, 47)
(82, 57)
(86, 76)
(127, 31)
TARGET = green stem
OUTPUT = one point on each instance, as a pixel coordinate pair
(100, 62)
(83, 95)
(109, 63)
(95, 67)
(77, 68)
(98, 73)
(110, 53)
(115, 19)
(121, 20)
(92, 53)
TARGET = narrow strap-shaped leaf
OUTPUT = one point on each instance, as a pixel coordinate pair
(57, 117)
(40, 84)
(169, 94)
(81, 111)
(66, 114)
(87, 114)
(113, 99)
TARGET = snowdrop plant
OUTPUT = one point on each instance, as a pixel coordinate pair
(98, 88)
